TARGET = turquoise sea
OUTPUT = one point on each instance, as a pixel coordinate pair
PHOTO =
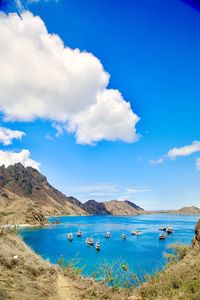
(143, 253)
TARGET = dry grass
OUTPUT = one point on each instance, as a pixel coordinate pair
(29, 277)
(178, 281)
(25, 277)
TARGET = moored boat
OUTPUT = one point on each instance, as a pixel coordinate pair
(163, 228)
(107, 235)
(169, 230)
(89, 241)
(123, 236)
(136, 232)
(162, 236)
(97, 246)
(70, 236)
(79, 233)
(57, 221)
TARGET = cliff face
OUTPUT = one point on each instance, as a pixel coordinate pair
(26, 197)
(96, 208)
(113, 207)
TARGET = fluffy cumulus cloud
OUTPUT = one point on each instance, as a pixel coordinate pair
(7, 135)
(10, 158)
(41, 78)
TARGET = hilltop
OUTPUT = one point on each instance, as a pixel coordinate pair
(113, 207)
(190, 210)
(27, 197)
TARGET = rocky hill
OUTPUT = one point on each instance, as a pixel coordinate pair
(26, 197)
(113, 207)
(190, 210)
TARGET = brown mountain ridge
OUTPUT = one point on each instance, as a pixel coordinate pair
(26, 197)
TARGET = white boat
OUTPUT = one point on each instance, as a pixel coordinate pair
(162, 228)
(123, 236)
(136, 232)
(79, 233)
(169, 230)
(97, 246)
(89, 241)
(107, 235)
(162, 236)
(70, 236)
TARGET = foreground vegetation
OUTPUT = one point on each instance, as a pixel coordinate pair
(180, 280)
(26, 276)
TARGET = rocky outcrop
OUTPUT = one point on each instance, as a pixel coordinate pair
(138, 208)
(191, 210)
(96, 208)
(26, 196)
(120, 208)
(113, 207)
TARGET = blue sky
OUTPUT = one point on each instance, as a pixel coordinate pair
(151, 50)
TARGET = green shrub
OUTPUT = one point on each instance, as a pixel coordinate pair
(116, 274)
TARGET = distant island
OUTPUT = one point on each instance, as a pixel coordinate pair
(26, 197)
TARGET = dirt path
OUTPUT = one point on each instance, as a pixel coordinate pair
(66, 289)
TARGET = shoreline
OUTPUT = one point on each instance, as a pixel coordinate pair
(24, 225)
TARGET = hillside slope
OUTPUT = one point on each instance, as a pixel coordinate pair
(26, 276)
(25, 192)
(190, 210)
(113, 207)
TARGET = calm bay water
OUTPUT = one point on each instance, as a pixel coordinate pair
(143, 253)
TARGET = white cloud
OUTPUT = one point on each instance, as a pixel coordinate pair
(104, 191)
(7, 135)
(111, 118)
(157, 161)
(138, 189)
(40, 78)
(184, 151)
(198, 163)
(179, 152)
(59, 128)
(10, 158)
(96, 188)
